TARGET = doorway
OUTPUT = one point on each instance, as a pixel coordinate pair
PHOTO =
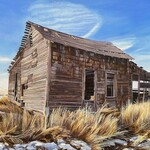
(16, 87)
(89, 85)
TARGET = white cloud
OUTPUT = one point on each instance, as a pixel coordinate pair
(3, 83)
(4, 75)
(4, 59)
(66, 17)
(124, 43)
(142, 60)
(142, 57)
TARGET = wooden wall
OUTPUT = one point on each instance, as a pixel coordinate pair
(12, 79)
(34, 71)
(67, 77)
(141, 76)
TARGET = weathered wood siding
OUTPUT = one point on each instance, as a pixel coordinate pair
(67, 77)
(34, 72)
(16, 70)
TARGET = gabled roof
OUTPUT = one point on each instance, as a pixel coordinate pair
(98, 47)
(104, 48)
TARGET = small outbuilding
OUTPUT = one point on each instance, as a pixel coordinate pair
(53, 69)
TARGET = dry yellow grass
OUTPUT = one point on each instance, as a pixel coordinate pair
(91, 128)
(18, 125)
(9, 106)
(137, 117)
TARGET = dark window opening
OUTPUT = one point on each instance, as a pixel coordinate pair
(23, 87)
(110, 90)
(89, 84)
(62, 47)
(110, 84)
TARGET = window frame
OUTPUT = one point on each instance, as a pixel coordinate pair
(111, 82)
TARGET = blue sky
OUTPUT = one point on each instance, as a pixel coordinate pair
(125, 23)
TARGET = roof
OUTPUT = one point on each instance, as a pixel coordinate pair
(98, 47)
(104, 48)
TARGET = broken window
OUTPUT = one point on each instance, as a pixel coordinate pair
(23, 87)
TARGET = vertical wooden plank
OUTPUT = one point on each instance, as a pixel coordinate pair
(139, 88)
(144, 92)
(130, 95)
(105, 85)
(115, 88)
(16, 69)
(47, 99)
(149, 91)
(131, 88)
(83, 85)
(95, 90)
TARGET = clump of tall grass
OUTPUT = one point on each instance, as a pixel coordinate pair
(18, 125)
(9, 106)
(137, 118)
(82, 124)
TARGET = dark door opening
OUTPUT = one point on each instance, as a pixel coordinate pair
(16, 86)
(89, 84)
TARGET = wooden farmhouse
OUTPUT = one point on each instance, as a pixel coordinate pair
(53, 69)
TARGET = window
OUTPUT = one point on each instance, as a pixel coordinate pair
(23, 87)
(62, 47)
(110, 84)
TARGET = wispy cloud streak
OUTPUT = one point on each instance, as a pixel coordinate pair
(142, 57)
(66, 17)
(4, 59)
(124, 43)
(142, 60)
